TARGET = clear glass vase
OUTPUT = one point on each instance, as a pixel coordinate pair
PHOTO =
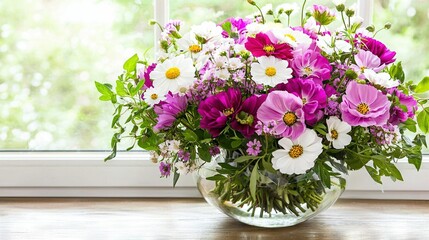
(260, 218)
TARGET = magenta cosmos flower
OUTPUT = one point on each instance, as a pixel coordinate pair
(311, 64)
(364, 105)
(216, 110)
(145, 74)
(312, 95)
(398, 115)
(245, 119)
(285, 109)
(168, 111)
(379, 49)
(262, 45)
(238, 29)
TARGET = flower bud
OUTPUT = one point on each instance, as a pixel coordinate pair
(350, 12)
(350, 74)
(387, 25)
(251, 2)
(322, 14)
(370, 28)
(152, 22)
(340, 7)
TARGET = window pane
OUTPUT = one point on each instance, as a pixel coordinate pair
(51, 52)
(409, 33)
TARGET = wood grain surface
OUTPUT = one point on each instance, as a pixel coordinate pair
(129, 219)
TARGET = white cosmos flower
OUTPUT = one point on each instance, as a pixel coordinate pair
(328, 44)
(152, 96)
(175, 74)
(209, 31)
(270, 71)
(337, 132)
(181, 167)
(235, 63)
(382, 79)
(293, 38)
(299, 155)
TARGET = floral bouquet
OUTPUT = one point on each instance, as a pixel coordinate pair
(272, 115)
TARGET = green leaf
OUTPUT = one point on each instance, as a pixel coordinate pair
(217, 177)
(131, 64)
(415, 159)
(120, 89)
(236, 143)
(423, 86)
(227, 26)
(323, 171)
(268, 166)
(105, 98)
(190, 136)
(410, 124)
(253, 180)
(394, 171)
(423, 120)
(374, 174)
(204, 153)
(175, 178)
(136, 89)
(244, 159)
(103, 89)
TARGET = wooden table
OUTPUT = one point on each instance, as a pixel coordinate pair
(129, 219)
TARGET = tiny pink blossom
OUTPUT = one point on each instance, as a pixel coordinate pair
(254, 147)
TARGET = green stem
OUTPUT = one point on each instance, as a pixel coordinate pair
(262, 14)
(302, 13)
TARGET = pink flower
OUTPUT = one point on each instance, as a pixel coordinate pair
(145, 74)
(311, 64)
(379, 49)
(322, 14)
(253, 147)
(245, 118)
(216, 110)
(168, 110)
(398, 115)
(261, 45)
(312, 95)
(364, 105)
(285, 109)
(367, 60)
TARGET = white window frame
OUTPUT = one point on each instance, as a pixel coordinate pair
(132, 174)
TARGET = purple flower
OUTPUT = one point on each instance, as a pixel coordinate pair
(145, 74)
(262, 45)
(245, 118)
(165, 169)
(286, 110)
(214, 150)
(398, 115)
(168, 111)
(386, 134)
(253, 147)
(311, 64)
(312, 95)
(172, 26)
(238, 29)
(184, 155)
(364, 105)
(378, 48)
(217, 109)
(332, 108)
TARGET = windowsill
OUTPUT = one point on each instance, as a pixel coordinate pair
(85, 174)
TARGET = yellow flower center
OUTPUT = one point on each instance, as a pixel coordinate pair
(334, 134)
(195, 48)
(304, 100)
(270, 71)
(296, 151)
(291, 37)
(308, 71)
(363, 108)
(269, 49)
(154, 96)
(289, 118)
(172, 73)
(227, 112)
